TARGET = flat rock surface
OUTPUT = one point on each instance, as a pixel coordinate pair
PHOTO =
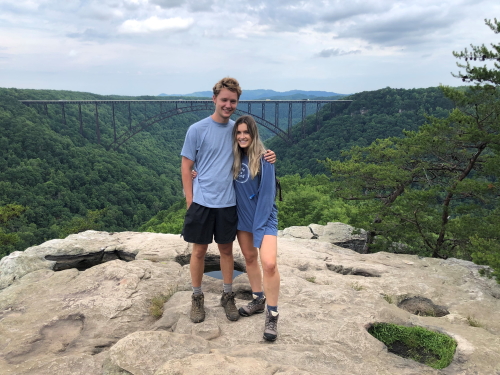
(98, 320)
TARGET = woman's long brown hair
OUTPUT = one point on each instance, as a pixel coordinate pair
(254, 151)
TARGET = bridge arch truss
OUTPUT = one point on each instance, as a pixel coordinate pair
(273, 120)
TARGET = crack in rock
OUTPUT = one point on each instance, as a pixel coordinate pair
(352, 270)
(86, 261)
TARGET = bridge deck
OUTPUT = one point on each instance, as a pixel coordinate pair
(176, 101)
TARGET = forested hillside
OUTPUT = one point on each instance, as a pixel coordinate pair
(65, 182)
(372, 115)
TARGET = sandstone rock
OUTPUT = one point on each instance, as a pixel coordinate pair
(298, 232)
(97, 320)
(218, 364)
(339, 234)
(52, 316)
(88, 249)
(17, 264)
(141, 353)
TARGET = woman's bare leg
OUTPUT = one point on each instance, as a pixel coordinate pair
(245, 239)
(268, 255)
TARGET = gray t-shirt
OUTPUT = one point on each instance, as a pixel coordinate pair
(209, 145)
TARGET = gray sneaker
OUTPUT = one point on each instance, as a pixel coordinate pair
(227, 301)
(256, 306)
(271, 327)
(197, 314)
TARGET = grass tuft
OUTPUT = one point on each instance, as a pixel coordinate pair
(388, 298)
(157, 302)
(430, 348)
(473, 322)
(311, 279)
(357, 286)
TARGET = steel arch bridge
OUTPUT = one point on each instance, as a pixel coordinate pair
(266, 113)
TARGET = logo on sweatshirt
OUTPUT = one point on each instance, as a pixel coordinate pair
(244, 174)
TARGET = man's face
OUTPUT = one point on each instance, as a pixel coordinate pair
(225, 105)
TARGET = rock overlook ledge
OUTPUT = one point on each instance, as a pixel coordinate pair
(80, 305)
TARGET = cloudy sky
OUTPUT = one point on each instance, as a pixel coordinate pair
(148, 47)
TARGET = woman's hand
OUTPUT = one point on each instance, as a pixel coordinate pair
(194, 173)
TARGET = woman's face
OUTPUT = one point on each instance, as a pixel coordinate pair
(243, 136)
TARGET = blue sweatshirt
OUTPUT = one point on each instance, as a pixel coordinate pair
(257, 212)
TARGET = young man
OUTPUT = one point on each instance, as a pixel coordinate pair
(210, 196)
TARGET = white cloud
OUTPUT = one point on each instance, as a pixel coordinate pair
(336, 52)
(154, 24)
(331, 45)
(246, 30)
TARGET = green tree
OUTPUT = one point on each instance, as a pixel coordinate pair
(436, 190)
(308, 200)
(8, 240)
(91, 221)
(167, 221)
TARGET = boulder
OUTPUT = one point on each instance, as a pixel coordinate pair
(143, 353)
(298, 232)
(97, 320)
(219, 364)
(339, 234)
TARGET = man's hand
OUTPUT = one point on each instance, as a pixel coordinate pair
(270, 156)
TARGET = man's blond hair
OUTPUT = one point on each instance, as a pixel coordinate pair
(227, 83)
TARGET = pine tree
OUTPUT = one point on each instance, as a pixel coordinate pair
(435, 192)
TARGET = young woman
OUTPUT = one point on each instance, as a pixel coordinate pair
(255, 186)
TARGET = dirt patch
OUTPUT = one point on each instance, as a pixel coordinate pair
(423, 307)
(419, 354)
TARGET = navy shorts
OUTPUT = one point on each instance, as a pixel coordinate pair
(202, 224)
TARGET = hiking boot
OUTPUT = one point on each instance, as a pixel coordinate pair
(197, 314)
(256, 306)
(227, 301)
(271, 326)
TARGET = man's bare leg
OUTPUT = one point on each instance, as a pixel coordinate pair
(197, 263)
(197, 266)
(226, 262)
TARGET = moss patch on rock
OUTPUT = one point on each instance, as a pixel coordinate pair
(430, 348)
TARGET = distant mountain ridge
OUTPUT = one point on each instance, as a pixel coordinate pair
(268, 94)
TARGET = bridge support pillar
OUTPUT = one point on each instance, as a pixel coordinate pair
(114, 122)
(80, 118)
(97, 129)
(63, 114)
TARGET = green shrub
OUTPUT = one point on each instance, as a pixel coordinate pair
(430, 348)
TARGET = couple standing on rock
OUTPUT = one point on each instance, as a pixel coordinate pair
(232, 194)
